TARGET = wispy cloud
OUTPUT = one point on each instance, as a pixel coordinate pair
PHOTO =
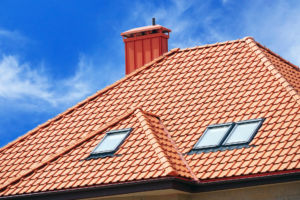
(12, 40)
(189, 21)
(89, 77)
(30, 94)
(193, 23)
(32, 85)
(19, 80)
(12, 35)
(277, 25)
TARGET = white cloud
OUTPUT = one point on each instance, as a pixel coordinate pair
(275, 24)
(171, 17)
(14, 35)
(88, 78)
(12, 40)
(32, 87)
(184, 18)
(19, 80)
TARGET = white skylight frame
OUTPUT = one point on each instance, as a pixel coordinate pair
(110, 152)
(229, 125)
(222, 143)
(253, 132)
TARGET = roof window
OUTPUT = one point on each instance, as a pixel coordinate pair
(226, 136)
(243, 132)
(110, 143)
(213, 136)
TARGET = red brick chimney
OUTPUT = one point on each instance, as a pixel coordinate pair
(144, 44)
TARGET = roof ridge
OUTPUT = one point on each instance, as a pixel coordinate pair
(157, 148)
(64, 150)
(214, 44)
(71, 109)
(178, 152)
(255, 46)
(142, 116)
(278, 56)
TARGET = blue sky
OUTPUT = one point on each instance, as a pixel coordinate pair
(55, 53)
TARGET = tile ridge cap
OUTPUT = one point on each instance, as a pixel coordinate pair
(49, 159)
(179, 153)
(254, 46)
(140, 114)
(278, 56)
(88, 99)
(213, 44)
(149, 113)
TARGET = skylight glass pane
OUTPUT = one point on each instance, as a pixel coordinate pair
(110, 142)
(212, 136)
(242, 133)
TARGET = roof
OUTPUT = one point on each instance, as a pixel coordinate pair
(168, 103)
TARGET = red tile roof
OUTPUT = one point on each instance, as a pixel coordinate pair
(186, 90)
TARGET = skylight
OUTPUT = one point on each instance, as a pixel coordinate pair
(110, 143)
(224, 135)
(243, 132)
(213, 136)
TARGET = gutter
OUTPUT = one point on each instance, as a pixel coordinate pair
(175, 183)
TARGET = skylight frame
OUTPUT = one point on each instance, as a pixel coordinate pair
(230, 125)
(254, 132)
(110, 152)
(221, 146)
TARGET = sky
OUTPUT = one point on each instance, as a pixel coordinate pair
(55, 53)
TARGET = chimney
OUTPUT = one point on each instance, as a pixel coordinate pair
(144, 44)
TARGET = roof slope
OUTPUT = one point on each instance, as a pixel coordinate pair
(142, 157)
(188, 89)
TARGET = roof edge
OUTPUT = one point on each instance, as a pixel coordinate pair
(255, 46)
(158, 184)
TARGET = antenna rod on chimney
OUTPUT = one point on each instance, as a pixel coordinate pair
(153, 21)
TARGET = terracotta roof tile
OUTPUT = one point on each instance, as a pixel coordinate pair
(186, 90)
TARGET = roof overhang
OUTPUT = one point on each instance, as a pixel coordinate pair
(175, 184)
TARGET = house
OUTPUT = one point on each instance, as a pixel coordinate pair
(219, 121)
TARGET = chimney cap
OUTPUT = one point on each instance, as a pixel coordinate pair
(145, 28)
